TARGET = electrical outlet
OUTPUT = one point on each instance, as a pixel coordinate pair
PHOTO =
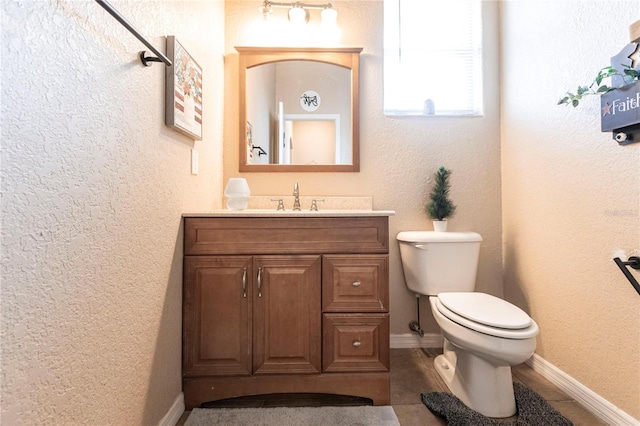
(194, 162)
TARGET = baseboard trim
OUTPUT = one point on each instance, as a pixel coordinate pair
(410, 340)
(174, 413)
(590, 400)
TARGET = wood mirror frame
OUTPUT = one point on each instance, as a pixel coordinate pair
(345, 57)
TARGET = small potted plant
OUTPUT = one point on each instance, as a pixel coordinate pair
(440, 207)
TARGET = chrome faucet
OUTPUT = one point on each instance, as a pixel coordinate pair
(296, 194)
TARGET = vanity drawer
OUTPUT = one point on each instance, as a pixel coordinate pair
(286, 235)
(355, 342)
(355, 283)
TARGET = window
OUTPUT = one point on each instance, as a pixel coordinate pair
(432, 57)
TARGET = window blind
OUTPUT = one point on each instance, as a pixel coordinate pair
(433, 57)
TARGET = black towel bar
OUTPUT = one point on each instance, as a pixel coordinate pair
(634, 262)
(145, 59)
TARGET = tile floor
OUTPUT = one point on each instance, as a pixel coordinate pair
(412, 373)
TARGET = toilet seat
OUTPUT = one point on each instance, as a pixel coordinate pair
(486, 314)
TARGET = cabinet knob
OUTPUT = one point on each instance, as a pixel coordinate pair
(356, 343)
(356, 283)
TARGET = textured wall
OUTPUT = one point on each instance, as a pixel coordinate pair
(398, 155)
(93, 187)
(571, 195)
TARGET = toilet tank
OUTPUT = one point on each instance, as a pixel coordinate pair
(435, 262)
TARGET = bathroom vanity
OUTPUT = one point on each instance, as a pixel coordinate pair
(286, 302)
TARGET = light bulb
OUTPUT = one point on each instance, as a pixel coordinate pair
(297, 15)
(329, 17)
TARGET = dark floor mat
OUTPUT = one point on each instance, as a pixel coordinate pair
(532, 410)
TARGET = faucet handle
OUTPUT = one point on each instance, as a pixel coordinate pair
(314, 204)
(280, 203)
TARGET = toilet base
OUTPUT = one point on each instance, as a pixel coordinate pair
(479, 385)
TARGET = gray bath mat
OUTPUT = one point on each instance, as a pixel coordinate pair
(533, 410)
(294, 416)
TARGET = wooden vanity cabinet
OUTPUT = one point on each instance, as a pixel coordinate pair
(285, 305)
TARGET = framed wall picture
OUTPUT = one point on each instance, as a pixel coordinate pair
(183, 103)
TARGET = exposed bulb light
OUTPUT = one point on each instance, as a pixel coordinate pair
(329, 17)
(297, 15)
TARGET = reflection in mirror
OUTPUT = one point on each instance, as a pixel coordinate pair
(289, 102)
(300, 109)
(317, 140)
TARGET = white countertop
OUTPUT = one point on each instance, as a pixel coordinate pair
(290, 213)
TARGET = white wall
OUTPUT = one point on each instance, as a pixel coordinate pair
(398, 155)
(571, 195)
(93, 188)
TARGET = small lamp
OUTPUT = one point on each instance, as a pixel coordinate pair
(237, 193)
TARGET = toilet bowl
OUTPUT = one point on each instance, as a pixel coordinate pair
(477, 357)
(483, 335)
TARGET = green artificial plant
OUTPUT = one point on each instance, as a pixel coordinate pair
(597, 88)
(440, 207)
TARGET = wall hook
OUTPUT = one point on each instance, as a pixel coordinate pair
(261, 151)
(146, 59)
(633, 262)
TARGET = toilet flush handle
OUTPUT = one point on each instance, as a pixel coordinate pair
(421, 246)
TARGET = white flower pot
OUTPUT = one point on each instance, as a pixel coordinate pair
(440, 225)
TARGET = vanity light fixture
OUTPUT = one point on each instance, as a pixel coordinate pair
(299, 12)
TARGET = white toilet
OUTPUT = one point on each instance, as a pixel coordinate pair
(483, 335)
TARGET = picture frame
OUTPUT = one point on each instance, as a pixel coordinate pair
(183, 100)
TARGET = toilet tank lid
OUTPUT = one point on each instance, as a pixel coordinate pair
(438, 237)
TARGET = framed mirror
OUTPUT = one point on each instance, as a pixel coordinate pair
(299, 109)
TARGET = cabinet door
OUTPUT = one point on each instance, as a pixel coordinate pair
(287, 318)
(217, 315)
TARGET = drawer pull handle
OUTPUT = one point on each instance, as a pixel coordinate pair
(356, 343)
(244, 283)
(260, 282)
(356, 283)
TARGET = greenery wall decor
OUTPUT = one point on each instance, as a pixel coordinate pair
(629, 75)
(624, 70)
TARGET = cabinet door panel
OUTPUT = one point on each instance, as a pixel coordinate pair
(355, 283)
(286, 235)
(216, 325)
(356, 342)
(287, 322)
